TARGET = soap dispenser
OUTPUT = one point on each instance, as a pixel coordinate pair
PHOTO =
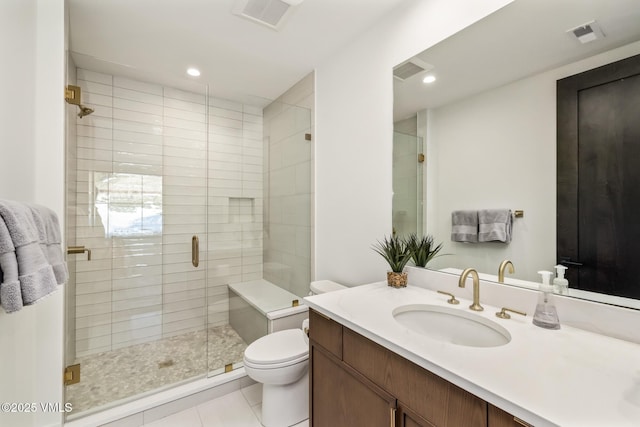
(546, 315)
(561, 284)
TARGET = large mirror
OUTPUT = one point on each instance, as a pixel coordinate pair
(488, 123)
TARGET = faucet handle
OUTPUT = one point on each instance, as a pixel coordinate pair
(504, 315)
(451, 300)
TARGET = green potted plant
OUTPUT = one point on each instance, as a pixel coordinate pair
(395, 251)
(422, 249)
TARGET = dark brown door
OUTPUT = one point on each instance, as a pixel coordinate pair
(599, 178)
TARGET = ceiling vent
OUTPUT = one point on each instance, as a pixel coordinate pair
(410, 68)
(271, 13)
(588, 32)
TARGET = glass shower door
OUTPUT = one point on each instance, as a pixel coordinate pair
(288, 196)
(136, 192)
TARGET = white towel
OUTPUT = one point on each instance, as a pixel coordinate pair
(495, 225)
(464, 226)
(35, 274)
(48, 227)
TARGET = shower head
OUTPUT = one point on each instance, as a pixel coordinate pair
(84, 111)
(72, 96)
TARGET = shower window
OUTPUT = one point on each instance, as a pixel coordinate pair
(128, 205)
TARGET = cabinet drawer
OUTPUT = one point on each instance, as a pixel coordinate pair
(326, 333)
(431, 397)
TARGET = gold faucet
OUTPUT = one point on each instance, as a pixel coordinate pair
(501, 269)
(476, 287)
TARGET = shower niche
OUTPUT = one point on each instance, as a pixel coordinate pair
(241, 210)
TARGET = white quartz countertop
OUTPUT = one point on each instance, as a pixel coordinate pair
(566, 377)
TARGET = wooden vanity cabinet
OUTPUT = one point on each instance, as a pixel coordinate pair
(408, 418)
(429, 396)
(500, 418)
(356, 382)
(341, 396)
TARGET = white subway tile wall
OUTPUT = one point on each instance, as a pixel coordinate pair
(145, 174)
(235, 202)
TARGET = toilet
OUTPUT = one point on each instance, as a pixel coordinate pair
(280, 361)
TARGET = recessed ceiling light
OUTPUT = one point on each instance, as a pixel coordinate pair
(429, 79)
(194, 72)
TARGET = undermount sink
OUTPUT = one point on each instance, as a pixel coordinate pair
(451, 325)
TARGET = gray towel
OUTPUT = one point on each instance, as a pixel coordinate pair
(464, 226)
(35, 274)
(495, 225)
(48, 227)
(10, 295)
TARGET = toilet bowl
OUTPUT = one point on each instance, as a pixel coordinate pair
(280, 361)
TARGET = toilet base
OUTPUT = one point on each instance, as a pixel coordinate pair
(285, 405)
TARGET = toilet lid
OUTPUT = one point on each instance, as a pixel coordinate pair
(323, 286)
(278, 347)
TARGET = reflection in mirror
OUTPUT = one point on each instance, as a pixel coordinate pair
(489, 124)
(407, 179)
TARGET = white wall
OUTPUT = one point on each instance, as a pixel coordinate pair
(17, 46)
(32, 38)
(498, 150)
(354, 105)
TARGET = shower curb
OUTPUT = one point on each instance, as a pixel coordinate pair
(159, 405)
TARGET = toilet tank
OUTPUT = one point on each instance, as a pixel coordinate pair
(324, 286)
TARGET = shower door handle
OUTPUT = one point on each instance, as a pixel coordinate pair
(195, 251)
(79, 250)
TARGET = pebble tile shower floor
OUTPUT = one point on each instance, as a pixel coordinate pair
(126, 372)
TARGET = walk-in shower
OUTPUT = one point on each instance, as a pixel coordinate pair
(152, 169)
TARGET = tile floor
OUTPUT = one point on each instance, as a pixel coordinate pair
(106, 377)
(237, 409)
